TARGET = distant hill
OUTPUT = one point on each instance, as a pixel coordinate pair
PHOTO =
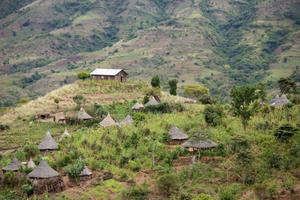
(217, 43)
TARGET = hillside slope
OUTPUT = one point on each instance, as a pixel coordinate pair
(217, 43)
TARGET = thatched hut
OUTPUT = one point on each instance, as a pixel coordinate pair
(14, 166)
(66, 134)
(152, 101)
(48, 143)
(138, 107)
(127, 121)
(83, 115)
(45, 179)
(108, 121)
(279, 101)
(85, 174)
(60, 117)
(31, 164)
(177, 136)
(195, 144)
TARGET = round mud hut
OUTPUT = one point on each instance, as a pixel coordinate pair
(45, 179)
(195, 145)
(48, 143)
(138, 107)
(14, 166)
(127, 121)
(108, 121)
(177, 136)
(85, 174)
(152, 102)
(83, 115)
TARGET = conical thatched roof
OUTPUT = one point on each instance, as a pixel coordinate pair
(108, 121)
(279, 101)
(48, 143)
(43, 170)
(31, 164)
(152, 102)
(127, 121)
(15, 165)
(176, 134)
(199, 144)
(59, 116)
(82, 115)
(138, 106)
(66, 134)
(86, 172)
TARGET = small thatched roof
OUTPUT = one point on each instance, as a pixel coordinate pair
(43, 170)
(59, 116)
(138, 106)
(83, 115)
(48, 143)
(279, 101)
(176, 134)
(31, 164)
(66, 134)
(127, 121)
(85, 172)
(199, 144)
(152, 101)
(15, 165)
(108, 121)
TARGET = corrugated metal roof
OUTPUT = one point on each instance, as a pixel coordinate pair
(106, 72)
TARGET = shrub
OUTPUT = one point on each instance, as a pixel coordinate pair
(10, 179)
(160, 108)
(206, 99)
(136, 193)
(31, 150)
(213, 115)
(155, 82)
(173, 87)
(145, 99)
(168, 184)
(134, 165)
(99, 110)
(27, 189)
(195, 90)
(83, 75)
(273, 160)
(73, 170)
(285, 132)
(203, 197)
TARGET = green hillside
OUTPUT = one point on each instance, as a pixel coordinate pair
(249, 164)
(217, 43)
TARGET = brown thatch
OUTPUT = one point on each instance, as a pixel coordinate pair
(127, 121)
(83, 115)
(138, 107)
(152, 102)
(279, 101)
(15, 165)
(66, 134)
(176, 134)
(48, 143)
(199, 144)
(108, 121)
(86, 172)
(31, 164)
(60, 117)
(43, 171)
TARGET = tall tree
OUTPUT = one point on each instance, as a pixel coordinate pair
(244, 102)
(173, 87)
(155, 82)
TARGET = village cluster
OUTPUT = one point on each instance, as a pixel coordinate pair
(46, 179)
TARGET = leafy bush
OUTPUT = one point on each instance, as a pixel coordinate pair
(213, 115)
(285, 132)
(160, 108)
(83, 75)
(27, 189)
(168, 184)
(203, 197)
(136, 193)
(73, 170)
(134, 165)
(155, 82)
(206, 99)
(195, 90)
(31, 150)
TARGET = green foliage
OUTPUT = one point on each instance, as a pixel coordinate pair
(168, 184)
(213, 115)
(27, 189)
(285, 132)
(73, 170)
(136, 193)
(173, 87)
(195, 90)
(79, 100)
(155, 82)
(83, 75)
(204, 197)
(287, 85)
(244, 102)
(30, 80)
(99, 110)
